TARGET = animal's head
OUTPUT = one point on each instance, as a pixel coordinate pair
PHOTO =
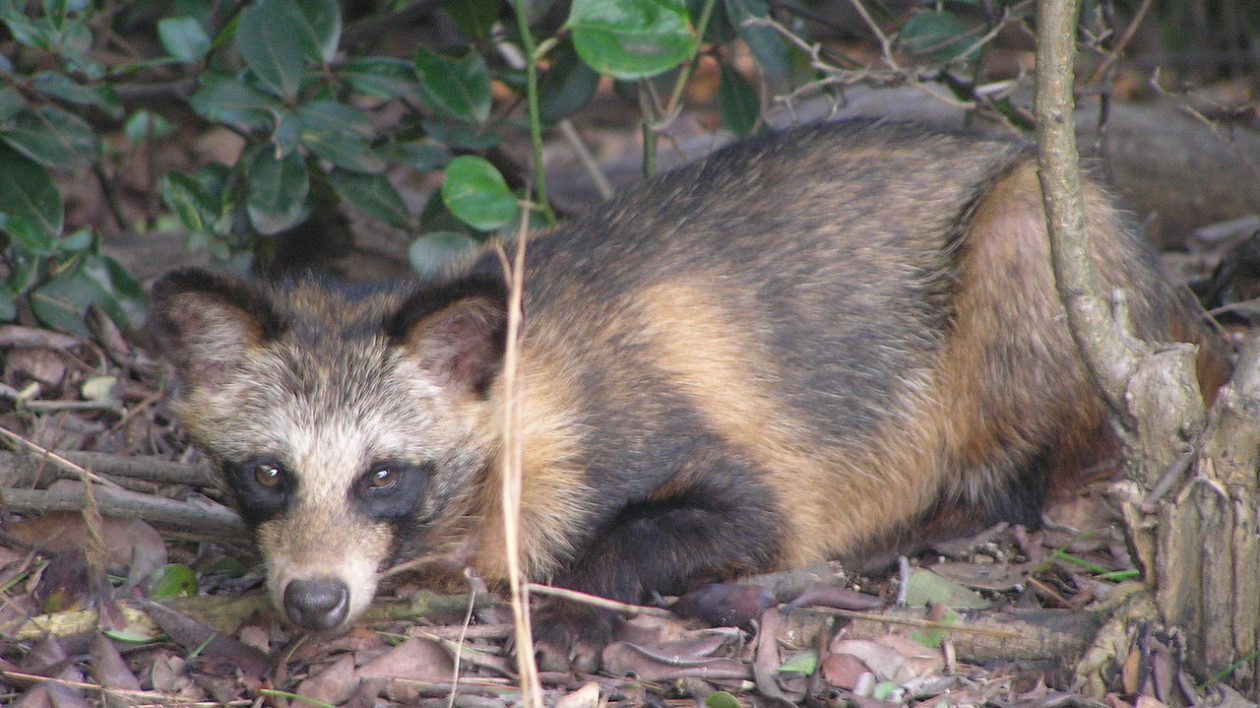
(350, 426)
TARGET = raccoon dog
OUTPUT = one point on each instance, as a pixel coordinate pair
(804, 346)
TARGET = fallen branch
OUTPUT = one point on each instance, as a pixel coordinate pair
(1016, 635)
(204, 519)
(23, 469)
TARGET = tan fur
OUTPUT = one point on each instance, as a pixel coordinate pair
(828, 490)
(554, 492)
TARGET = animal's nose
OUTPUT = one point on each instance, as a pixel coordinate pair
(317, 604)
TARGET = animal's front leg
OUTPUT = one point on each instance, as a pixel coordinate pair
(703, 532)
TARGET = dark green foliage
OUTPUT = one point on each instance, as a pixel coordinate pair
(329, 116)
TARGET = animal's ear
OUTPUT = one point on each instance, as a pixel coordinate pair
(456, 331)
(205, 323)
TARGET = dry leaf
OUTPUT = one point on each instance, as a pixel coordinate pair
(843, 671)
(108, 666)
(334, 683)
(725, 604)
(624, 658)
(585, 697)
(413, 660)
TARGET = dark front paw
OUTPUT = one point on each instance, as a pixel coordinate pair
(570, 636)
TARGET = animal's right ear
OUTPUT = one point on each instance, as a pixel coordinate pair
(456, 331)
(205, 323)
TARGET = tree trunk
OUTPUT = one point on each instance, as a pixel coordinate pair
(1202, 556)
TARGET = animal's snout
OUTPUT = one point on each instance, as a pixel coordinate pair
(318, 604)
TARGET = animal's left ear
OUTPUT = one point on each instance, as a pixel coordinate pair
(456, 331)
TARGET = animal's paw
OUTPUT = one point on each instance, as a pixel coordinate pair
(571, 637)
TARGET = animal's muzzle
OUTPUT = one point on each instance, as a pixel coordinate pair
(317, 604)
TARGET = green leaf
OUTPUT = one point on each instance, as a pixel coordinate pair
(271, 37)
(381, 77)
(566, 86)
(938, 35)
(803, 662)
(721, 699)
(475, 17)
(24, 273)
(183, 38)
(10, 103)
(173, 580)
(883, 690)
(78, 240)
(288, 133)
(435, 253)
(8, 307)
(28, 192)
(129, 635)
(227, 99)
(925, 586)
(766, 44)
(60, 303)
(631, 39)
(100, 96)
(184, 194)
(371, 193)
(321, 27)
(464, 135)
(28, 235)
(121, 296)
(738, 103)
(334, 117)
(475, 192)
(932, 637)
(100, 281)
(32, 31)
(356, 155)
(419, 156)
(455, 87)
(277, 192)
(340, 134)
(143, 125)
(52, 137)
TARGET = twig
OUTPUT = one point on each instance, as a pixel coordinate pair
(56, 459)
(909, 622)
(597, 601)
(204, 519)
(586, 158)
(137, 698)
(531, 686)
(459, 644)
(1114, 53)
(535, 121)
(19, 469)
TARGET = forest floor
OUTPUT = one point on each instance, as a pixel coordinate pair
(126, 579)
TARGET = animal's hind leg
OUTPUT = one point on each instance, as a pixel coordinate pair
(722, 524)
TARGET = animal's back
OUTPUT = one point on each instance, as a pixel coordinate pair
(847, 327)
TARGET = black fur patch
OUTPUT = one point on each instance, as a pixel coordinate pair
(255, 502)
(398, 501)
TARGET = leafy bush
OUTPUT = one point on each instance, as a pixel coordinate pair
(324, 121)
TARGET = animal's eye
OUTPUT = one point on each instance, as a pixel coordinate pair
(268, 475)
(392, 490)
(383, 477)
